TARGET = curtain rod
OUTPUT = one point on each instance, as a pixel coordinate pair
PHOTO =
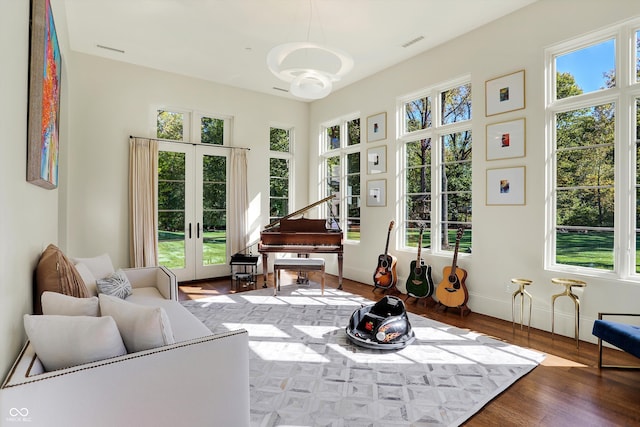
(192, 143)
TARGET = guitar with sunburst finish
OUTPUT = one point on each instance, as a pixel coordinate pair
(385, 276)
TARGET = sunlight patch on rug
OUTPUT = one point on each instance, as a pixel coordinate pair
(304, 371)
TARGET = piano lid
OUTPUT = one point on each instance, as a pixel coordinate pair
(301, 211)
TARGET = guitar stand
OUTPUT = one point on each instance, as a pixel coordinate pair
(418, 299)
(391, 288)
(464, 310)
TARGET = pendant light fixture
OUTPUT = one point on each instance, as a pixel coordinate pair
(310, 68)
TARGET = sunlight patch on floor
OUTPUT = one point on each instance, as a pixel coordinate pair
(555, 361)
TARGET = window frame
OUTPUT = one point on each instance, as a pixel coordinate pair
(623, 95)
(342, 152)
(436, 132)
(289, 157)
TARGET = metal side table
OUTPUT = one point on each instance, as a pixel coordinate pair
(522, 292)
(568, 284)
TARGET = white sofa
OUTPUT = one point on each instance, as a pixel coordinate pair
(201, 380)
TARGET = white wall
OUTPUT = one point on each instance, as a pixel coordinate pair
(508, 241)
(111, 100)
(28, 214)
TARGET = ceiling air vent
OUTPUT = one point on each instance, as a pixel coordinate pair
(410, 42)
(113, 49)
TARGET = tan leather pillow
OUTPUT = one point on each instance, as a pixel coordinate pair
(56, 273)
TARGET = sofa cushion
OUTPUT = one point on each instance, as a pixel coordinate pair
(57, 274)
(141, 327)
(184, 324)
(100, 266)
(88, 278)
(65, 305)
(116, 284)
(64, 341)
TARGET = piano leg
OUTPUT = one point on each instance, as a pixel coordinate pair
(265, 268)
(340, 258)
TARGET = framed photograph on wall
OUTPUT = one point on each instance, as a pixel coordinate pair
(377, 127)
(377, 160)
(44, 98)
(506, 140)
(504, 94)
(506, 186)
(377, 192)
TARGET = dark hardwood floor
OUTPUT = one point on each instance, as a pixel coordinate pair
(567, 389)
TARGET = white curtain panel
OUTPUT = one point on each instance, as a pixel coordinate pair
(143, 196)
(239, 201)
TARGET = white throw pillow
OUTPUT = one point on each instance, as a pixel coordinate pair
(88, 278)
(66, 305)
(65, 341)
(100, 266)
(116, 284)
(141, 327)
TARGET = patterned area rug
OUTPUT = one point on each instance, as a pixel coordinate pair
(305, 372)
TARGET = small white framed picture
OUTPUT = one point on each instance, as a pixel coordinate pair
(377, 127)
(377, 160)
(504, 94)
(506, 186)
(377, 192)
(506, 140)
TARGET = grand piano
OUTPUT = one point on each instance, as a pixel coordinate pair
(301, 236)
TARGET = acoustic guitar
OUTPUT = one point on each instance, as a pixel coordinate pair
(385, 275)
(452, 291)
(420, 283)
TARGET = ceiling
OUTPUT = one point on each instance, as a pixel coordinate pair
(227, 41)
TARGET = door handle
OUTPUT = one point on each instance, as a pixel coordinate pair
(198, 231)
(189, 230)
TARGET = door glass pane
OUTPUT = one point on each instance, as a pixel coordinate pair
(214, 205)
(171, 213)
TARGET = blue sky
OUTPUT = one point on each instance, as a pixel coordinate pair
(588, 65)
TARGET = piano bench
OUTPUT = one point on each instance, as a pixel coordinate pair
(299, 264)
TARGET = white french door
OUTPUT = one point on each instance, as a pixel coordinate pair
(192, 203)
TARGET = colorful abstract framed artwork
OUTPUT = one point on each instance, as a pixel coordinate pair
(44, 98)
(506, 140)
(504, 94)
(506, 186)
(377, 127)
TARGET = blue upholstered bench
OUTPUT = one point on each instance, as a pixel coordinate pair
(624, 336)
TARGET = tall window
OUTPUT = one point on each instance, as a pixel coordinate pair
(279, 172)
(590, 105)
(341, 173)
(436, 134)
